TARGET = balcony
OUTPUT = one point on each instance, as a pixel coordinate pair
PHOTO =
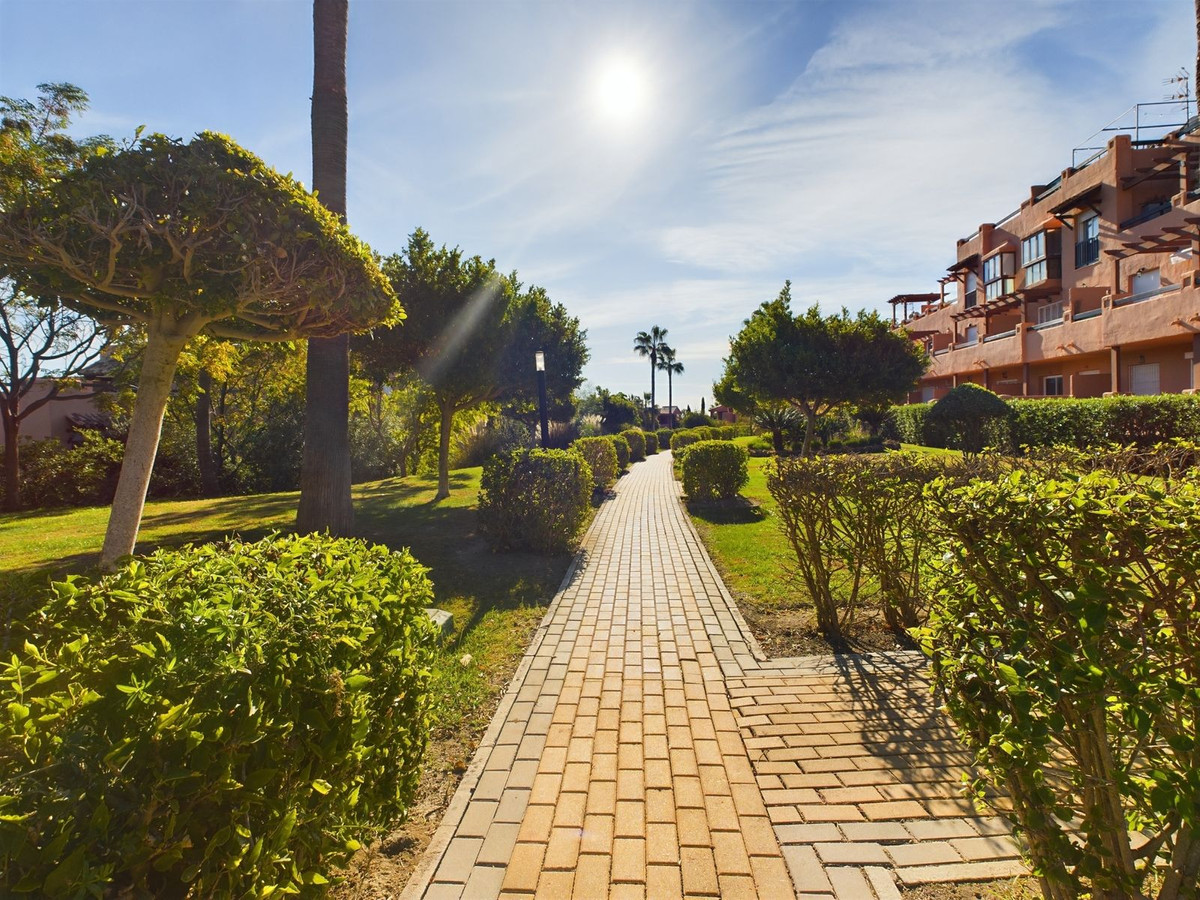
(1087, 252)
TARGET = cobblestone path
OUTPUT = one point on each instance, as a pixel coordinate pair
(645, 748)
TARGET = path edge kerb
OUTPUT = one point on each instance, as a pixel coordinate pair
(431, 857)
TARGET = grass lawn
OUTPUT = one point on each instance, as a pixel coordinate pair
(497, 600)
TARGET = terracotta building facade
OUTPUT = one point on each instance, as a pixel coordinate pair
(1088, 289)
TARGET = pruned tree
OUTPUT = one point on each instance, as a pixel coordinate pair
(471, 335)
(37, 341)
(185, 239)
(820, 363)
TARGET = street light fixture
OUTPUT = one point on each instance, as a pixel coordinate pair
(539, 361)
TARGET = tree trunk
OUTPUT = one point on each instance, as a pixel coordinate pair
(443, 490)
(671, 389)
(325, 503)
(12, 461)
(202, 414)
(810, 425)
(145, 426)
(654, 365)
(777, 440)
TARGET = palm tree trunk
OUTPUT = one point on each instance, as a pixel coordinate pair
(145, 427)
(325, 503)
(654, 365)
(671, 387)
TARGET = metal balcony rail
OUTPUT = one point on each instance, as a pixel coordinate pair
(1145, 295)
(1087, 252)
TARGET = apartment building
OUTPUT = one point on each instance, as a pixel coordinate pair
(1088, 289)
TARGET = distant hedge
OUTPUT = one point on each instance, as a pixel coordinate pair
(637, 444)
(651, 438)
(1082, 422)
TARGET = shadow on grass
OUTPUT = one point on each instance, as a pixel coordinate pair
(735, 511)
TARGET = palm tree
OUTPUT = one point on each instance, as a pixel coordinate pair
(650, 344)
(667, 363)
(325, 469)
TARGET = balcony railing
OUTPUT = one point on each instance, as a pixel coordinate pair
(1152, 212)
(1145, 295)
(1087, 252)
(1001, 335)
(1087, 314)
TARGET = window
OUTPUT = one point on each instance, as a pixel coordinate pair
(1144, 282)
(972, 334)
(1052, 386)
(1040, 257)
(1051, 312)
(1087, 240)
(1143, 379)
(997, 275)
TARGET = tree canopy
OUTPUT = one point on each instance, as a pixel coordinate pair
(816, 362)
(184, 239)
(471, 334)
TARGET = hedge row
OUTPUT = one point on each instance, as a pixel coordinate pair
(216, 721)
(535, 499)
(1083, 422)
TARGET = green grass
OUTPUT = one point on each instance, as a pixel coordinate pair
(496, 599)
(747, 544)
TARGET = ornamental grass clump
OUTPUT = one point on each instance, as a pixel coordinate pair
(224, 720)
(714, 470)
(637, 444)
(1065, 637)
(601, 457)
(535, 500)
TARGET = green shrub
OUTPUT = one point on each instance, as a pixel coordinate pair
(695, 419)
(664, 438)
(220, 720)
(601, 458)
(907, 423)
(637, 444)
(535, 499)
(1090, 422)
(968, 418)
(682, 438)
(760, 446)
(651, 438)
(1065, 637)
(621, 445)
(727, 432)
(714, 470)
(54, 475)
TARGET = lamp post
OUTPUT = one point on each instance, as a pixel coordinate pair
(539, 360)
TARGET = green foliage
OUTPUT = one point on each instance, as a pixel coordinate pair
(651, 440)
(232, 718)
(694, 420)
(684, 437)
(1090, 422)
(664, 438)
(601, 457)
(490, 437)
(535, 500)
(714, 470)
(817, 363)
(907, 423)
(968, 418)
(637, 444)
(618, 413)
(1065, 639)
(54, 475)
(623, 450)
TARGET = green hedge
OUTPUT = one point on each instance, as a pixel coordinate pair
(664, 438)
(1083, 422)
(54, 475)
(968, 418)
(601, 457)
(637, 444)
(714, 470)
(651, 438)
(682, 438)
(535, 500)
(223, 720)
(621, 445)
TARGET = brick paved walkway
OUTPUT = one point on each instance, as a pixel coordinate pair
(645, 748)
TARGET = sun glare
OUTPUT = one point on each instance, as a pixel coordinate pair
(620, 91)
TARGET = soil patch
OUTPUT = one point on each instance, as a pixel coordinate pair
(1004, 889)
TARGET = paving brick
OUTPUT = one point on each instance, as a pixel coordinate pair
(990, 847)
(729, 854)
(665, 882)
(662, 843)
(699, 872)
(525, 868)
(591, 876)
(771, 876)
(807, 872)
(849, 883)
(925, 853)
(629, 860)
(894, 809)
(597, 836)
(883, 882)
(851, 853)
(965, 871)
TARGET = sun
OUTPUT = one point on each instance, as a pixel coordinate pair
(620, 90)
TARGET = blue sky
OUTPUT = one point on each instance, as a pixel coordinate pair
(844, 145)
